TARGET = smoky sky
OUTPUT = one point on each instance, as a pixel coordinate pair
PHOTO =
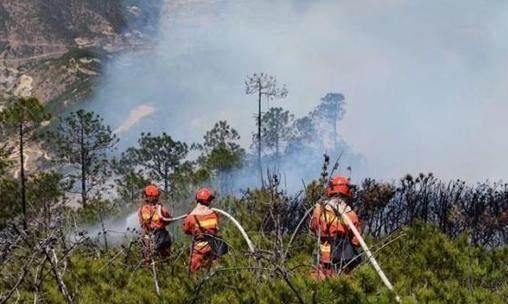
(425, 81)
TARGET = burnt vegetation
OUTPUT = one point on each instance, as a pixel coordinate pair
(439, 241)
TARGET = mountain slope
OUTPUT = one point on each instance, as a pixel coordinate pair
(53, 49)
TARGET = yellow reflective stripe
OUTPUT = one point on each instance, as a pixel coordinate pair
(331, 218)
(201, 245)
(208, 223)
(328, 217)
(326, 248)
(145, 215)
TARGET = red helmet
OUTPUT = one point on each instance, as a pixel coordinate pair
(152, 191)
(339, 185)
(204, 196)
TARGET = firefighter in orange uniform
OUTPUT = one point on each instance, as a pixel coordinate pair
(338, 245)
(153, 219)
(203, 224)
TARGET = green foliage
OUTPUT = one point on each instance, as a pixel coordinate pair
(5, 163)
(331, 111)
(276, 129)
(22, 118)
(220, 154)
(425, 266)
(303, 135)
(331, 108)
(264, 86)
(45, 192)
(129, 178)
(24, 115)
(10, 203)
(375, 195)
(82, 140)
(160, 157)
(130, 186)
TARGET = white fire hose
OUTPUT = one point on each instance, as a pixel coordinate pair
(345, 218)
(169, 219)
(240, 228)
(369, 255)
(252, 249)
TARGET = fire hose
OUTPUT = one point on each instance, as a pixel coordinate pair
(366, 249)
(169, 219)
(252, 249)
(368, 253)
(345, 218)
(240, 228)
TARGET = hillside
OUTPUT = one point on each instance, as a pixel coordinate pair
(55, 49)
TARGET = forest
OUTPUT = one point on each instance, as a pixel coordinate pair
(438, 241)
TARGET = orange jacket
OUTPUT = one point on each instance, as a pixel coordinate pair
(327, 219)
(150, 219)
(202, 220)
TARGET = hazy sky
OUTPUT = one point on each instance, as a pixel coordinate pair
(426, 82)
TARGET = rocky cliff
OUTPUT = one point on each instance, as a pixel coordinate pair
(54, 49)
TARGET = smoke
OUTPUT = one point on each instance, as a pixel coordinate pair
(136, 115)
(424, 81)
(118, 230)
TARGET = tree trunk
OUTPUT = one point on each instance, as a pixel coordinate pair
(83, 186)
(83, 166)
(59, 276)
(335, 128)
(166, 183)
(104, 233)
(260, 166)
(22, 174)
(277, 156)
(131, 177)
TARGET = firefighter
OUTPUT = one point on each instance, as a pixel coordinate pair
(338, 245)
(153, 219)
(203, 224)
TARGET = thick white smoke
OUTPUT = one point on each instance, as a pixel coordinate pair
(118, 230)
(424, 81)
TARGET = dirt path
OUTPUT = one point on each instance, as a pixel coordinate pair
(44, 55)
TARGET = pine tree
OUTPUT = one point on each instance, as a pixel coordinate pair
(331, 110)
(130, 179)
(160, 156)
(82, 141)
(303, 134)
(263, 85)
(22, 118)
(276, 129)
(220, 152)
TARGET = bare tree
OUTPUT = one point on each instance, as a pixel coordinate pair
(263, 85)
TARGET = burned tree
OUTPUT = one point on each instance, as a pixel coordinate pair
(263, 85)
